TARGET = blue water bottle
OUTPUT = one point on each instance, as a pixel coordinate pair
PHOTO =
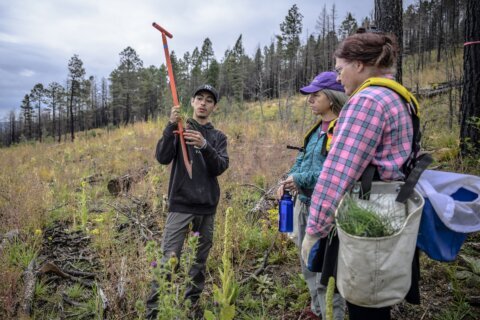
(285, 213)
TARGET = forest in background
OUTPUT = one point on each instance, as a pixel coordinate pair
(134, 92)
(81, 220)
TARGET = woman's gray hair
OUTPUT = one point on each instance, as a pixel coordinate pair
(337, 98)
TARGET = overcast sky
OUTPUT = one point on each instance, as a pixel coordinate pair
(38, 37)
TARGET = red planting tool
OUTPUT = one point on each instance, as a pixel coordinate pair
(173, 88)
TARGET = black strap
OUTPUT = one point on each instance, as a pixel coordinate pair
(366, 181)
(417, 136)
(407, 189)
(300, 149)
(324, 151)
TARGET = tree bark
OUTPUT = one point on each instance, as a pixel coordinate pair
(388, 18)
(29, 279)
(72, 133)
(470, 108)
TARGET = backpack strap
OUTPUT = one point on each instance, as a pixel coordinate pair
(327, 141)
(414, 165)
(310, 131)
(395, 86)
(407, 189)
(413, 109)
(369, 175)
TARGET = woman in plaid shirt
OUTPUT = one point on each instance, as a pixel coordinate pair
(374, 127)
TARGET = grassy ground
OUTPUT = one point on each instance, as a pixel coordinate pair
(56, 196)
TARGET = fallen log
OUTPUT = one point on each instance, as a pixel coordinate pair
(29, 280)
(123, 183)
(474, 300)
(51, 267)
(95, 178)
(437, 89)
(266, 202)
(121, 283)
(104, 299)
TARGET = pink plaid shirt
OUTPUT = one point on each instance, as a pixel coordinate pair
(374, 127)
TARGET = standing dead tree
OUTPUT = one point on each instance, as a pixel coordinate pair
(470, 109)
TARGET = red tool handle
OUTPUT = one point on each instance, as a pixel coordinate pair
(162, 30)
(173, 89)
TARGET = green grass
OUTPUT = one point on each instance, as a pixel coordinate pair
(20, 254)
(41, 289)
(457, 311)
(364, 222)
(76, 291)
(258, 157)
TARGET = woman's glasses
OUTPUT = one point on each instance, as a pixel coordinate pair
(339, 70)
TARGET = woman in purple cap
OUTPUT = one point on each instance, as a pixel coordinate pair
(326, 98)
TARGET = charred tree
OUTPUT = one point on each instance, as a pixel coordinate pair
(470, 109)
(388, 18)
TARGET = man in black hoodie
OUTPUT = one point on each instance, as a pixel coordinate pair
(192, 201)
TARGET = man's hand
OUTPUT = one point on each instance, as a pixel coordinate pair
(175, 114)
(310, 249)
(194, 138)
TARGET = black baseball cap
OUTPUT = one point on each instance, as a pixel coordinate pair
(208, 88)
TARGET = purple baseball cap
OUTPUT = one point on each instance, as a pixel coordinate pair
(325, 80)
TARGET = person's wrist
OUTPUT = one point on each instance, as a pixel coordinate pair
(204, 144)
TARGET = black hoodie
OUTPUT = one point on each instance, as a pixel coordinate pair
(199, 195)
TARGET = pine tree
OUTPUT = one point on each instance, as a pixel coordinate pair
(196, 74)
(37, 95)
(128, 75)
(289, 39)
(182, 73)
(54, 94)
(77, 72)
(104, 102)
(27, 111)
(348, 26)
(310, 60)
(259, 79)
(153, 87)
(210, 67)
(238, 68)
(206, 54)
(212, 73)
(12, 137)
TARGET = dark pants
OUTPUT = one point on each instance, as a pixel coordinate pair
(175, 232)
(362, 313)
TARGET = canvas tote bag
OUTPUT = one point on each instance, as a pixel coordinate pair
(376, 272)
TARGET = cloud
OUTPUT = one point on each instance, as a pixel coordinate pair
(27, 73)
(37, 38)
(8, 38)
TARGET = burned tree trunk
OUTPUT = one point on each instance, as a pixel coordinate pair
(470, 109)
(29, 279)
(388, 18)
(123, 183)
